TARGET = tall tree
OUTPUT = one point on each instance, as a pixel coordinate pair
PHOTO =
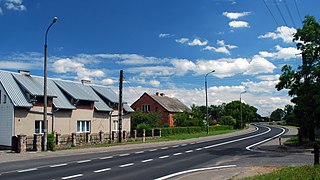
(304, 83)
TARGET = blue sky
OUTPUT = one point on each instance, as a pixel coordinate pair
(162, 45)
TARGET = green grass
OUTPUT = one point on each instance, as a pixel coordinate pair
(291, 173)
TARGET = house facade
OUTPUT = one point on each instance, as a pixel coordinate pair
(73, 107)
(159, 102)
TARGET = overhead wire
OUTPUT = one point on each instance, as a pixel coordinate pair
(277, 5)
(295, 2)
(275, 20)
(289, 12)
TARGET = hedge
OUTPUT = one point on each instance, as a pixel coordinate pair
(192, 129)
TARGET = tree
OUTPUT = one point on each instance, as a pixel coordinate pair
(150, 120)
(277, 115)
(227, 120)
(303, 84)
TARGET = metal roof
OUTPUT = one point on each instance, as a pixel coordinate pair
(33, 85)
(127, 108)
(170, 104)
(100, 105)
(74, 90)
(13, 90)
(60, 102)
(106, 93)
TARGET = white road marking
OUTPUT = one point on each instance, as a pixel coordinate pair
(164, 148)
(175, 146)
(193, 170)
(162, 157)
(183, 144)
(147, 160)
(199, 149)
(189, 151)
(126, 165)
(121, 155)
(102, 170)
(108, 157)
(153, 150)
(58, 165)
(139, 152)
(249, 147)
(27, 170)
(192, 143)
(84, 161)
(73, 176)
(177, 154)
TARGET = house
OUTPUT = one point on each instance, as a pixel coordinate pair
(158, 102)
(73, 107)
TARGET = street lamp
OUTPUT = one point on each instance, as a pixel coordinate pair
(206, 88)
(241, 107)
(45, 99)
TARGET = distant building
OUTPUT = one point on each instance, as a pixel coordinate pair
(158, 102)
(73, 107)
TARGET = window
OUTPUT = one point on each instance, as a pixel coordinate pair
(38, 127)
(83, 126)
(115, 125)
(145, 107)
(4, 99)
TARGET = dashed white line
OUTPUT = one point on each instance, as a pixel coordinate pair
(108, 157)
(121, 155)
(102, 170)
(175, 146)
(192, 143)
(164, 148)
(189, 151)
(199, 149)
(147, 160)
(126, 165)
(162, 157)
(153, 150)
(183, 144)
(27, 170)
(139, 152)
(84, 161)
(73, 176)
(58, 165)
(177, 154)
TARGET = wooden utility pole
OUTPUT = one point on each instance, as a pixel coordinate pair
(120, 107)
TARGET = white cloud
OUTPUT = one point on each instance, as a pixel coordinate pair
(261, 87)
(15, 5)
(164, 35)
(155, 83)
(182, 40)
(18, 65)
(108, 81)
(197, 42)
(260, 65)
(281, 53)
(130, 59)
(182, 66)
(235, 15)
(283, 32)
(147, 71)
(1, 12)
(269, 77)
(239, 24)
(224, 48)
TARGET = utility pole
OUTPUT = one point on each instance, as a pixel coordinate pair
(120, 106)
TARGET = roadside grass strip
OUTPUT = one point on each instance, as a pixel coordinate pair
(193, 170)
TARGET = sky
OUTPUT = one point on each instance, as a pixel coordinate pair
(165, 46)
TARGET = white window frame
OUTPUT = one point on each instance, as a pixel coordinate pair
(40, 130)
(83, 126)
(115, 125)
(145, 107)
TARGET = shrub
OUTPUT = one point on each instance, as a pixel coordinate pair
(50, 140)
(143, 126)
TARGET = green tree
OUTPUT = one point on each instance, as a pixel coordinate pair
(151, 120)
(227, 120)
(277, 115)
(303, 84)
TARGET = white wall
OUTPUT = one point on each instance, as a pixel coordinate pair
(6, 118)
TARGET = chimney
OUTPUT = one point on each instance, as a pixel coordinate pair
(23, 72)
(85, 81)
(161, 94)
(157, 93)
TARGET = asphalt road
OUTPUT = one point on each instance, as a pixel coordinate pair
(149, 163)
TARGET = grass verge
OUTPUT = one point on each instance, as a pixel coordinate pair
(292, 173)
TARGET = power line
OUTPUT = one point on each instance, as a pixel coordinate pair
(290, 15)
(277, 5)
(295, 2)
(275, 20)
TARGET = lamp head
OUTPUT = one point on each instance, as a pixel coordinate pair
(55, 19)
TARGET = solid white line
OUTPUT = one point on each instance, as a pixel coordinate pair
(164, 148)
(126, 165)
(199, 149)
(108, 157)
(153, 150)
(193, 170)
(27, 170)
(139, 152)
(189, 151)
(177, 154)
(58, 165)
(84, 161)
(162, 157)
(73, 176)
(102, 170)
(121, 155)
(249, 147)
(147, 160)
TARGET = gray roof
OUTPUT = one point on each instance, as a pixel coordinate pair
(127, 108)
(100, 105)
(170, 104)
(34, 85)
(106, 93)
(13, 90)
(61, 102)
(74, 90)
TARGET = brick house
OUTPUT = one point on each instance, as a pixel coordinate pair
(158, 102)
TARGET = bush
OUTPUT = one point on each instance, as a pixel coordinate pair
(227, 120)
(143, 126)
(220, 127)
(180, 130)
(50, 140)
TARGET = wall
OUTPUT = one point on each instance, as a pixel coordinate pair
(6, 119)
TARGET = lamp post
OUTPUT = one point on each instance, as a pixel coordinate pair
(241, 107)
(45, 98)
(206, 89)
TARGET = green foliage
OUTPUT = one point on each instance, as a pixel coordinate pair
(50, 141)
(227, 120)
(192, 130)
(220, 128)
(151, 120)
(143, 126)
(277, 115)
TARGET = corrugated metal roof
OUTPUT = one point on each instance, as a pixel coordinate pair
(170, 104)
(100, 105)
(73, 89)
(127, 108)
(13, 90)
(106, 93)
(33, 85)
(60, 102)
